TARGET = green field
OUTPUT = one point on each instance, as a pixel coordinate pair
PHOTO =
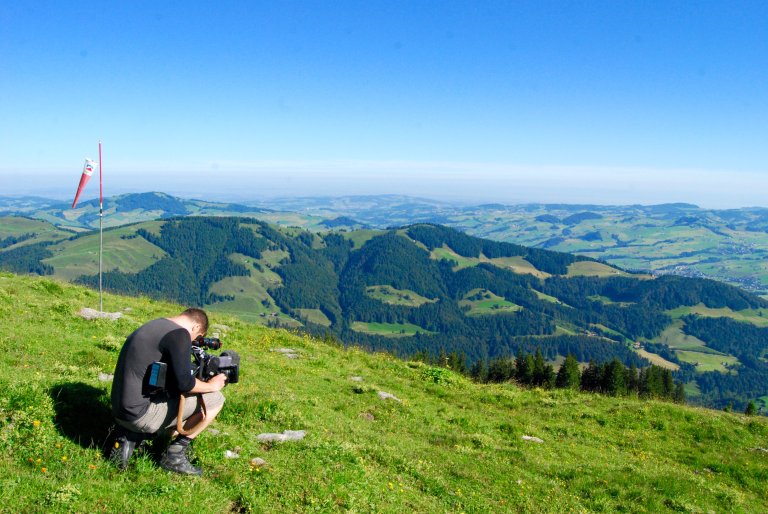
(460, 261)
(480, 302)
(252, 299)
(674, 337)
(43, 230)
(657, 360)
(390, 295)
(449, 446)
(315, 316)
(707, 361)
(593, 269)
(360, 237)
(80, 256)
(518, 265)
(389, 329)
(757, 317)
(548, 298)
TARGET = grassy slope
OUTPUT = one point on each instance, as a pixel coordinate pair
(450, 446)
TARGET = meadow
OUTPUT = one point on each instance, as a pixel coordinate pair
(443, 444)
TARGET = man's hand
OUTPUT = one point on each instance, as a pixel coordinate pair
(216, 383)
(219, 381)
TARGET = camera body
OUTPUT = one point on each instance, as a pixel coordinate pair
(206, 366)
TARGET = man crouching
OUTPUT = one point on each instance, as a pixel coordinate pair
(142, 410)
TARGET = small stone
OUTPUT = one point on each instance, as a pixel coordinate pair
(258, 462)
(213, 431)
(230, 454)
(284, 350)
(367, 416)
(291, 356)
(105, 377)
(91, 314)
(532, 439)
(356, 379)
(389, 396)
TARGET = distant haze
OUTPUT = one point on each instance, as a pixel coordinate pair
(470, 183)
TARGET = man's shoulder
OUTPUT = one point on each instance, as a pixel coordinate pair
(157, 328)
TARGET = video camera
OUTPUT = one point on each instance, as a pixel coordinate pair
(206, 366)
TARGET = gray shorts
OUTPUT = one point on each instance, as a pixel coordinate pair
(163, 414)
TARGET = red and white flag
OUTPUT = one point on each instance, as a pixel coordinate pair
(88, 168)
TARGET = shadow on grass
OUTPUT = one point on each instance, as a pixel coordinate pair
(83, 413)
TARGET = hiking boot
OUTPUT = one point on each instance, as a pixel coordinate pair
(175, 459)
(125, 444)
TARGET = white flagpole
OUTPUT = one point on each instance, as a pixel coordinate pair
(101, 232)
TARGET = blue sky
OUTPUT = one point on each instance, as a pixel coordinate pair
(602, 102)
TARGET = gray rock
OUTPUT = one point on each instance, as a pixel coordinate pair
(389, 396)
(91, 314)
(258, 462)
(287, 435)
(213, 431)
(356, 379)
(230, 454)
(532, 439)
(105, 377)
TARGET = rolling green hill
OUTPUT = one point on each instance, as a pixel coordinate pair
(681, 239)
(415, 290)
(447, 445)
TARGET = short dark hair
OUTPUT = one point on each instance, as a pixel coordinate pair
(199, 316)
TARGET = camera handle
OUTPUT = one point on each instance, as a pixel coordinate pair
(180, 421)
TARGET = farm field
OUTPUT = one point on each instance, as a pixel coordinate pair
(479, 302)
(390, 295)
(388, 329)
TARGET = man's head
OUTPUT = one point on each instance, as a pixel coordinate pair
(197, 322)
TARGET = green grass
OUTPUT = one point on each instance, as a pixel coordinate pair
(389, 329)
(481, 302)
(81, 256)
(450, 446)
(460, 261)
(43, 230)
(360, 237)
(594, 269)
(674, 337)
(757, 317)
(392, 296)
(315, 316)
(707, 361)
(519, 265)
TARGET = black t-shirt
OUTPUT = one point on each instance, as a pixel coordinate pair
(158, 340)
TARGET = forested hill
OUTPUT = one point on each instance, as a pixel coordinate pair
(429, 289)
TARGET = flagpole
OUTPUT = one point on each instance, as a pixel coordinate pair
(101, 230)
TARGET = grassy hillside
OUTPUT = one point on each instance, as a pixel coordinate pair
(447, 446)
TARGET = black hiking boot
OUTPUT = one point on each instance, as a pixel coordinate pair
(125, 443)
(175, 459)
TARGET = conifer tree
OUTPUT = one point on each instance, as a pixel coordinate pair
(479, 371)
(679, 396)
(539, 369)
(569, 375)
(632, 380)
(613, 378)
(590, 379)
(501, 370)
(751, 409)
